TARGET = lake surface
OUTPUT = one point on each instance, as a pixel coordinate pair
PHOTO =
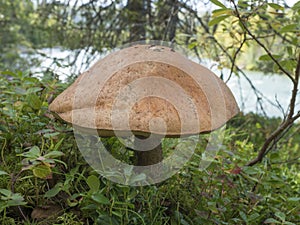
(274, 90)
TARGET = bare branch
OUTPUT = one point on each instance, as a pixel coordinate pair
(234, 58)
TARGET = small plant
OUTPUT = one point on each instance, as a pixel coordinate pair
(40, 165)
(9, 199)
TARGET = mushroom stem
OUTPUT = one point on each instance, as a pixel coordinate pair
(146, 158)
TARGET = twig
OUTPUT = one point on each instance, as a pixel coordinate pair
(291, 118)
(257, 93)
(234, 58)
(260, 43)
(295, 89)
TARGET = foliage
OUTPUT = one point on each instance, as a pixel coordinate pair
(45, 180)
(96, 27)
(225, 193)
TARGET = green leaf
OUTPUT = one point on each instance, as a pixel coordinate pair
(243, 216)
(280, 215)
(3, 173)
(289, 50)
(61, 162)
(5, 192)
(15, 200)
(53, 154)
(100, 198)
(217, 20)
(184, 222)
(219, 12)
(288, 223)
(216, 2)
(271, 220)
(268, 58)
(33, 90)
(289, 64)
(293, 199)
(93, 183)
(33, 153)
(58, 144)
(289, 28)
(276, 6)
(296, 6)
(34, 101)
(42, 171)
(212, 206)
(49, 135)
(243, 4)
(20, 91)
(53, 191)
(250, 170)
(7, 72)
(253, 216)
(193, 44)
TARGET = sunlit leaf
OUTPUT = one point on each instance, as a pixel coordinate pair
(218, 3)
(296, 6)
(3, 173)
(54, 154)
(289, 28)
(49, 135)
(217, 20)
(33, 153)
(219, 12)
(268, 58)
(276, 6)
(42, 171)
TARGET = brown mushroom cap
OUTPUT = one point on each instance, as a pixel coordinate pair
(146, 89)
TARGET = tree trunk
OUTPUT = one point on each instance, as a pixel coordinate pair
(167, 19)
(136, 19)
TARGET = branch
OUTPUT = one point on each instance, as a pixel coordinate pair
(257, 93)
(291, 118)
(295, 89)
(234, 58)
(260, 43)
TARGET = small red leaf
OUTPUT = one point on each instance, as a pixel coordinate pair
(236, 170)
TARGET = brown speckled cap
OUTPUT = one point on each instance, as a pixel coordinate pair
(146, 89)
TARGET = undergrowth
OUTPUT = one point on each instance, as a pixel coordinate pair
(45, 180)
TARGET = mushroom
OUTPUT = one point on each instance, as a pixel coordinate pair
(150, 92)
